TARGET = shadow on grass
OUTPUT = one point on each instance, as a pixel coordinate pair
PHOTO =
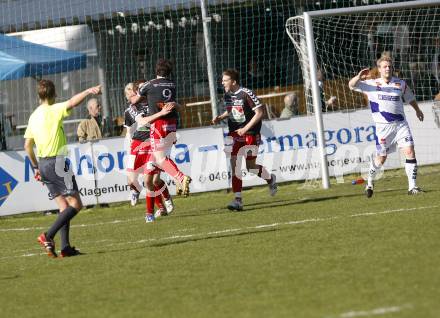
(218, 236)
(203, 212)
(279, 203)
(248, 207)
(254, 206)
(183, 240)
(10, 277)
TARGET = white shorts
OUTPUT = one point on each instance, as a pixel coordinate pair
(392, 134)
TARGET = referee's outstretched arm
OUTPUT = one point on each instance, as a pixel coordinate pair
(78, 98)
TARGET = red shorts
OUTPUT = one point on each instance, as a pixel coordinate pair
(140, 158)
(163, 134)
(246, 145)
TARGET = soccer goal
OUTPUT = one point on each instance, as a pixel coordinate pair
(334, 45)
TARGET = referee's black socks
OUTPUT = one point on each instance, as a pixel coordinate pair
(64, 234)
(63, 218)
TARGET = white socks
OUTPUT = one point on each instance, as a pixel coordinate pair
(411, 172)
(372, 172)
(410, 168)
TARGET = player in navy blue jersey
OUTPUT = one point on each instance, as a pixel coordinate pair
(140, 155)
(244, 112)
(159, 92)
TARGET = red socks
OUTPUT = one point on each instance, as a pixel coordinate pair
(170, 167)
(237, 184)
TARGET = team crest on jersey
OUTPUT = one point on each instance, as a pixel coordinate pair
(383, 141)
(378, 86)
(236, 114)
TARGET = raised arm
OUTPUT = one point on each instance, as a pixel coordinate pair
(142, 121)
(359, 77)
(177, 106)
(79, 98)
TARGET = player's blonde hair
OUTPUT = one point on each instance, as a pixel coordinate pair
(384, 58)
(127, 89)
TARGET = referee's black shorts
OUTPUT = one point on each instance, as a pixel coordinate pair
(57, 175)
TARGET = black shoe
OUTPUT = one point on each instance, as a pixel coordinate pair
(70, 251)
(235, 205)
(415, 191)
(369, 191)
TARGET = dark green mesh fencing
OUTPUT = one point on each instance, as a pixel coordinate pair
(123, 40)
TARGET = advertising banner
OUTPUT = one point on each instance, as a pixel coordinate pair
(288, 149)
(99, 168)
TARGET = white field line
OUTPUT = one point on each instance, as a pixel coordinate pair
(394, 211)
(373, 312)
(259, 226)
(214, 233)
(72, 226)
(19, 229)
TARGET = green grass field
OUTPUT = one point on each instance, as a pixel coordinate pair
(304, 253)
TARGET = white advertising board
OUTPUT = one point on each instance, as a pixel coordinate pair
(288, 149)
(198, 152)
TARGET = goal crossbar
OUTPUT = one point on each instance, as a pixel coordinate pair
(373, 8)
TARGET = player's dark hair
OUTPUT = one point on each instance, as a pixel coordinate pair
(137, 83)
(164, 67)
(232, 73)
(46, 89)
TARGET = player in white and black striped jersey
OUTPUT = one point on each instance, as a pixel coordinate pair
(244, 112)
(139, 158)
(132, 177)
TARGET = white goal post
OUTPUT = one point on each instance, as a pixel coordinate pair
(419, 15)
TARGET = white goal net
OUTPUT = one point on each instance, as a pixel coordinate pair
(347, 43)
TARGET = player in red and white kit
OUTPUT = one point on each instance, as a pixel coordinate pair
(132, 176)
(244, 112)
(140, 155)
(160, 92)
